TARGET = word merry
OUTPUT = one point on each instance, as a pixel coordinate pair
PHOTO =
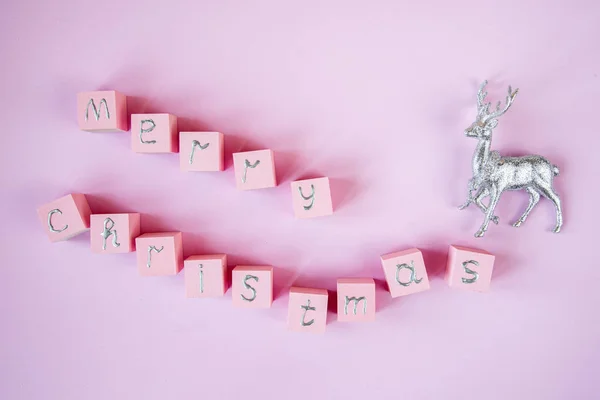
(106, 111)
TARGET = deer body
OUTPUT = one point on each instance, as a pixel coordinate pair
(494, 174)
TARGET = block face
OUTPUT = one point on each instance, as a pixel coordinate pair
(159, 254)
(65, 217)
(307, 310)
(312, 198)
(405, 272)
(114, 233)
(205, 276)
(154, 133)
(469, 269)
(201, 151)
(356, 299)
(254, 170)
(252, 287)
(102, 111)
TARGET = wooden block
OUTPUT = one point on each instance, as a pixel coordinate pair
(102, 111)
(405, 272)
(159, 253)
(312, 198)
(205, 275)
(154, 133)
(307, 310)
(201, 151)
(254, 170)
(65, 217)
(356, 299)
(469, 269)
(114, 233)
(252, 287)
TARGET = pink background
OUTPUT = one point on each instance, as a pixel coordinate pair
(374, 95)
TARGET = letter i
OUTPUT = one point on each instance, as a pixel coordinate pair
(201, 278)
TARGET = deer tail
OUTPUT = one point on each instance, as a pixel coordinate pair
(555, 170)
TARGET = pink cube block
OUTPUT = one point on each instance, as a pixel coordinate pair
(312, 198)
(159, 254)
(154, 133)
(102, 111)
(307, 311)
(65, 217)
(405, 272)
(356, 299)
(254, 169)
(205, 275)
(252, 287)
(201, 151)
(114, 233)
(469, 269)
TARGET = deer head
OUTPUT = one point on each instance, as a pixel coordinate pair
(487, 120)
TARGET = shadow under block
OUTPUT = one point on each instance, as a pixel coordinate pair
(469, 269)
(114, 233)
(102, 111)
(355, 299)
(311, 198)
(201, 151)
(254, 170)
(252, 287)
(154, 133)
(159, 253)
(307, 310)
(205, 276)
(405, 272)
(65, 217)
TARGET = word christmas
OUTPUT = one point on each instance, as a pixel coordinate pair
(161, 253)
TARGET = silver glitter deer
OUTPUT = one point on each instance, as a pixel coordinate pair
(493, 174)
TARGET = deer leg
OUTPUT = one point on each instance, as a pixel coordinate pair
(470, 188)
(534, 197)
(478, 202)
(550, 194)
(494, 197)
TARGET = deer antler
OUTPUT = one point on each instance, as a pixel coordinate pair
(481, 96)
(509, 100)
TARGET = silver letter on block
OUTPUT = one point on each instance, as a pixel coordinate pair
(247, 286)
(147, 130)
(356, 301)
(413, 274)
(95, 110)
(50, 226)
(470, 271)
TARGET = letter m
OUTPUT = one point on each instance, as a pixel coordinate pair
(95, 110)
(356, 300)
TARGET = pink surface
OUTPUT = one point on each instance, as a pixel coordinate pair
(376, 96)
(312, 198)
(159, 253)
(201, 151)
(66, 217)
(356, 300)
(307, 310)
(206, 275)
(154, 133)
(469, 268)
(405, 272)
